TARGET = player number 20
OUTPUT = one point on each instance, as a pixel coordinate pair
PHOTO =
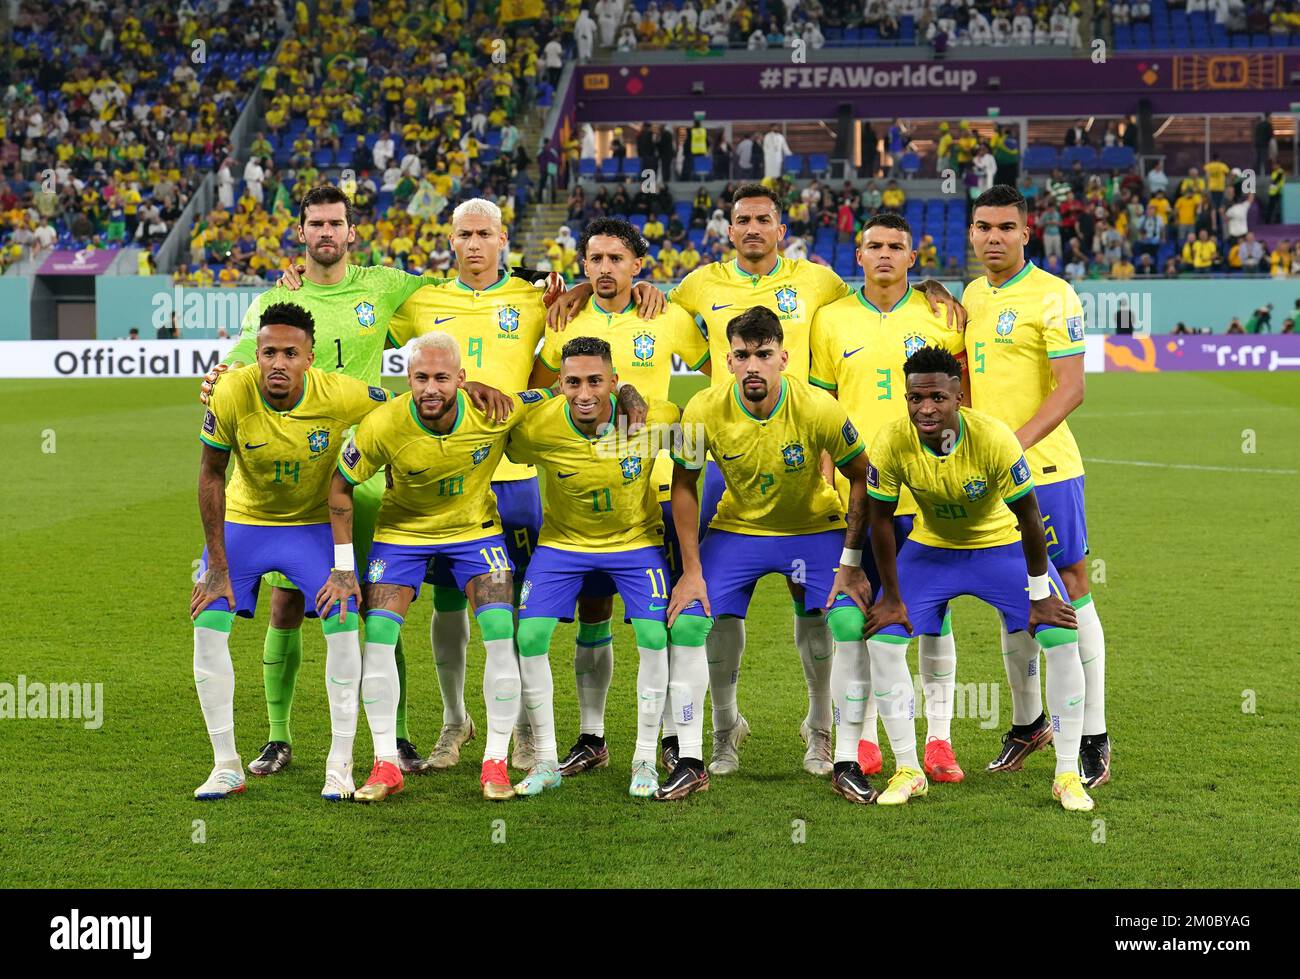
(949, 511)
(658, 589)
(496, 559)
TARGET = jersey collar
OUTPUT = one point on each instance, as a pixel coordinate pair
(735, 265)
(306, 380)
(613, 414)
(1014, 279)
(505, 277)
(460, 416)
(776, 408)
(862, 298)
(961, 433)
(631, 304)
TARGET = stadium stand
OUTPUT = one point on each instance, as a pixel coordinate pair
(119, 110)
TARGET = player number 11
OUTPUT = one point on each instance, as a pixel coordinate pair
(658, 589)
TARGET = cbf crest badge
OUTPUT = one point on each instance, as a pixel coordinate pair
(631, 467)
(792, 455)
(365, 313)
(1006, 321)
(375, 572)
(912, 343)
(787, 299)
(975, 488)
(643, 346)
(481, 453)
(319, 440)
(507, 318)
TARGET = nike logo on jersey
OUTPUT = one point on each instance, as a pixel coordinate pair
(716, 307)
(567, 475)
(850, 353)
(726, 458)
(250, 445)
(657, 608)
(416, 472)
(438, 321)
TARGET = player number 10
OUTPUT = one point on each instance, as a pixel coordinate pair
(497, 559)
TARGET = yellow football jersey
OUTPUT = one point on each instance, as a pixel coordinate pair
(772, 466)
(795, 289)
(599, 494)
(643, 355)
(498, 329)
(858, 351)
(1013, 333)
(440, 484)
(961, 497)
(283, 459)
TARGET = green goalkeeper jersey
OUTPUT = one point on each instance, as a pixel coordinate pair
(351, 318)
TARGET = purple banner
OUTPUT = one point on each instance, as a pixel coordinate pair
(88, 261)
(1204, 352)
(1227, 82)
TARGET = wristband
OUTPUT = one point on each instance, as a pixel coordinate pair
(1040, 587)
(851, 558)
(343, 560)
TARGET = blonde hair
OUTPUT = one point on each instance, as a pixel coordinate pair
(480, 206)
(437, 340)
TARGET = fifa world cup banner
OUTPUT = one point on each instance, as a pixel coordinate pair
(1204, 352)
(85, 261)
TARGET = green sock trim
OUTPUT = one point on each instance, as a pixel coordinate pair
(1082, 600)
(281, 657)
(399, 656)
(650, 633)
(382, 629)
(1050, 638)
(448, 599)
(595, 633)
(801, 612)
(691, 630)
(846, 623)
(215, 619)
(947, 624)
(332, 626)
(890, 638)
(534, 635)
(496, 623)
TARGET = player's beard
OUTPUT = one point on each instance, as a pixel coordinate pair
(445, 407)
(754, 394)
(606, 288)
(328, 259)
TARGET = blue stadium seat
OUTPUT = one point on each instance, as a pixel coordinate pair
(1117, 157)
(637, 221)
(683, 211)
(701, 166)
(587, 167)
(793, 165)
(609, 168)
(632, 166)
(1040, 159)
(819, 164)
(910, 164)
(323, 158)
(1084, 154)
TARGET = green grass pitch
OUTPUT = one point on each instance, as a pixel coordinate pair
(1195, 583)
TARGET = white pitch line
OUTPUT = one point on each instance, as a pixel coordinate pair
(1180, 465)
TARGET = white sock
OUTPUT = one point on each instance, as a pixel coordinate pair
(342, 685)
(869, 717)
(379, 687)
(1092, 653)
(937, 658)
(1020, 658)
(539, 701)
(449, 634)
(668, 723)
(500, 693)
(726, 645)
(892, 684)
(689, 682)
(214, 680)
(1065, 692)
(850, 683)
(813, 640)
(651, 692)
(594, 668)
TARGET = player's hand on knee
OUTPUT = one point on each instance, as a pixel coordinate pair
(887, 612)
(292, 277)
(689, 588)
(489, 400)
(1052, 611)
(214, 584)
(649, 300)
(852, 582)
(210, 381)
(338, 588)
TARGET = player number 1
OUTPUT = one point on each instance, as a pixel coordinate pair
(338, 348)
(658, 589)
